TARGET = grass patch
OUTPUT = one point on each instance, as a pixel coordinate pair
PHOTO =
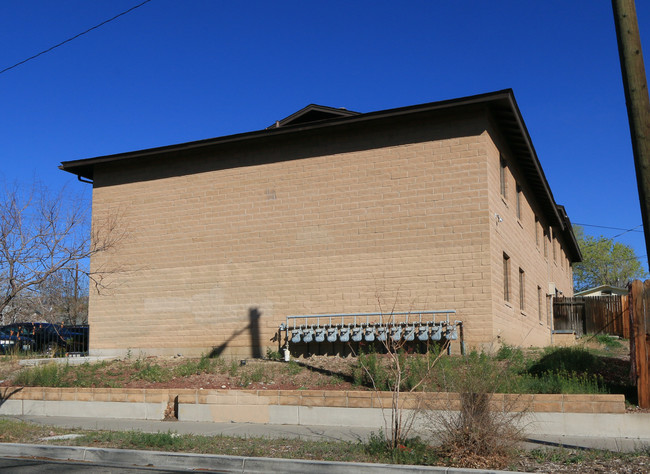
(47, 375)
(555, 370)
(608, 341)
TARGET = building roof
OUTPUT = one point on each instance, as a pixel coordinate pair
(500, 104)
(614, 290)
(313, 113)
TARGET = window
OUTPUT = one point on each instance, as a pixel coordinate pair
(554, 244)
(536, 231)
(502, 178)
(522, 291)
(506, 277)
(518, 202)
(539, 303)
(545, 243)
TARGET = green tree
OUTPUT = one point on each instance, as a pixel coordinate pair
(604, 262)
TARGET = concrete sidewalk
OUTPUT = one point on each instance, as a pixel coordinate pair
(243, 430)
(306, 432)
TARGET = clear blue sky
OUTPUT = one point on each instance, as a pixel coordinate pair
(173, 71)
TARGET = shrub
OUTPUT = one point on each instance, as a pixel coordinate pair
(151, 372)
(370, 372)
(478, 434)
(191, 367)
(608, 341)
(293, 368)
(412, 451)
(273, 355)
(48, 375)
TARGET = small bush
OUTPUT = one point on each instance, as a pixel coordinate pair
(608, 341)
(412, 451)
(191, 367)
(48, 375)
(478, 435)
(258, 374)
(293, 368)
(273, 355)
(141, 440)
(370, 372)
(561, 381)
(151, 372)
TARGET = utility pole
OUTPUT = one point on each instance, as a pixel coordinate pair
(636, 98)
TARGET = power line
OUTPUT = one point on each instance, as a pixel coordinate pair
(633, 229)
(612, 228)
(74, 37)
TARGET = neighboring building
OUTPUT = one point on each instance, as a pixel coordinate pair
(435, 206)
(603, 290)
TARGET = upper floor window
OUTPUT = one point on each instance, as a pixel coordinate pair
(546, 237)
(518, 202)
(536, 231)
(554, 243)
(506, 277)
(502, 177)
(522, 290)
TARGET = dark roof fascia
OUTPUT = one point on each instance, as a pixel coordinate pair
(83, 167)
(570, 235)
(514, 129)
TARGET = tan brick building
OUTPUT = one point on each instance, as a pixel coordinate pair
(435, 206)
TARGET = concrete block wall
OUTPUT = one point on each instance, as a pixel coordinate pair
(222, 247)
(522, 239)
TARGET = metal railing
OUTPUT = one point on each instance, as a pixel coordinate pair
(38, 339)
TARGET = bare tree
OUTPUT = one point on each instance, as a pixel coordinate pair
(62, 298)
(401, 421)
(45, 237)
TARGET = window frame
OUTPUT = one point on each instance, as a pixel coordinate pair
(522, 289)
(506, 278)
(503, 184)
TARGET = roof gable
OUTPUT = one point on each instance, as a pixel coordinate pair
(313, 113)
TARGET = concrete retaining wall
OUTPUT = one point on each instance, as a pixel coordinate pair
(570, 415)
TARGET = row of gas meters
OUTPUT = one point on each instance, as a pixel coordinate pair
(371, 332)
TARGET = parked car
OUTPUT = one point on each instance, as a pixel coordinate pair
(10, 342)
(47, 337)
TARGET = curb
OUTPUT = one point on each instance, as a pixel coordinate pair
(212, 462)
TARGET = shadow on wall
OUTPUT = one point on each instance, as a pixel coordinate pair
(253, 328)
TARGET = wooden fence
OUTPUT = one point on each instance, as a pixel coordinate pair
(592, 315)
(639, 298)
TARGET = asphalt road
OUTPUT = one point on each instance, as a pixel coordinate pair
(37, 466)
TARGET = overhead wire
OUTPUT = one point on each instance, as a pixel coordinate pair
(611, 228)
(74, 37)
(625, 231)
